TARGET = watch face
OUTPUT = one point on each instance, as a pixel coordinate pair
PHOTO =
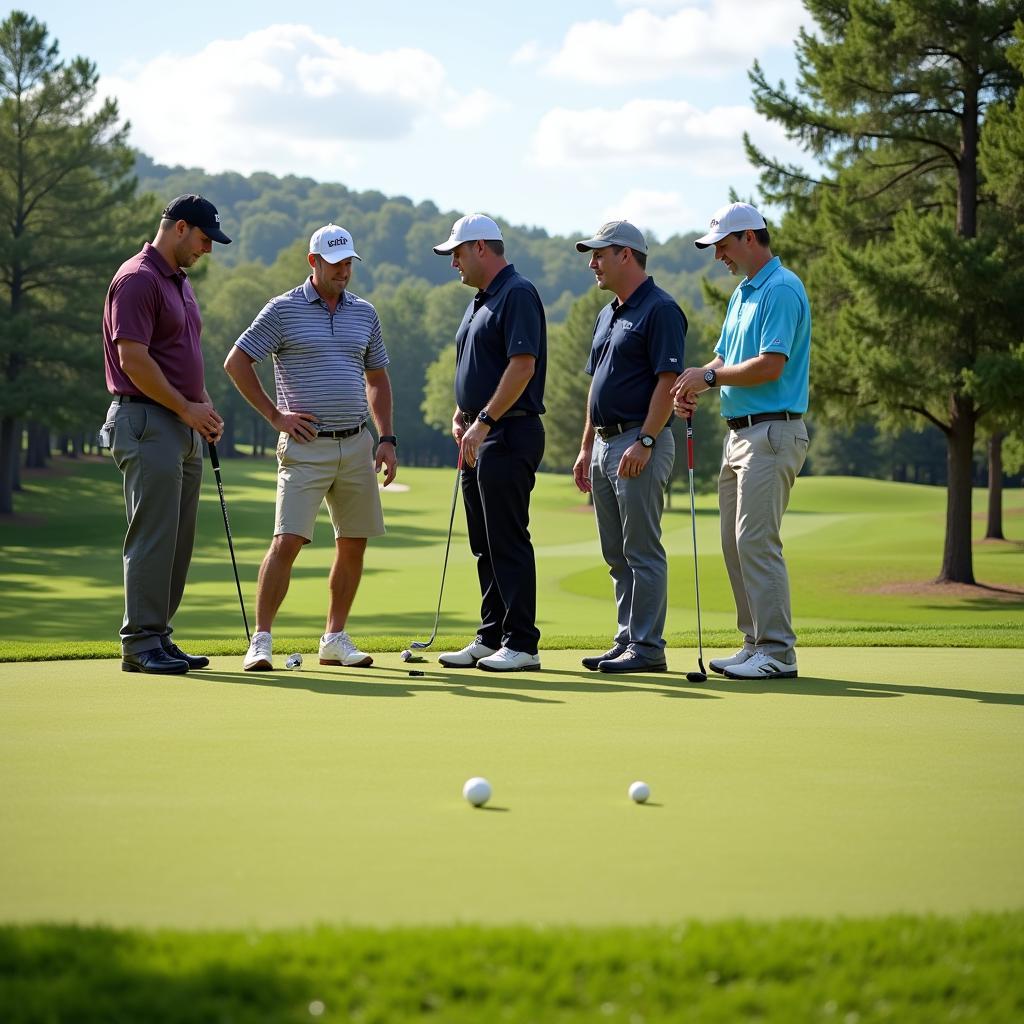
(647, 441)
(709, 377)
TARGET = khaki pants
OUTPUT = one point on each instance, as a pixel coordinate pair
(759, 465)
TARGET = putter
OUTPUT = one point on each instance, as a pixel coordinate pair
(422, 645)
(702, 675)
(215, 462)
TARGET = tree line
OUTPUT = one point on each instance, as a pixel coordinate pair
(907, 236)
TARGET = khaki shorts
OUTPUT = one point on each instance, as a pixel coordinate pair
(339, 470)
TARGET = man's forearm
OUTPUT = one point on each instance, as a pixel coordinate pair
(380, 400)
(145, 373)
(517, 375)
(244, 378)
(659, 409)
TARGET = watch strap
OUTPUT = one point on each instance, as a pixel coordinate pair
(388, 438)
(486, 417)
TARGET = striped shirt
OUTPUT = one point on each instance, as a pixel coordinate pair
(320, 358)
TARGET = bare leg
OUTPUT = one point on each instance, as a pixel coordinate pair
(275, 575)
(344, 580)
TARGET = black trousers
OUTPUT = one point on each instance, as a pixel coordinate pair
(496, 494)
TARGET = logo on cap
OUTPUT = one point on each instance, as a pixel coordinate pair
(332, 242)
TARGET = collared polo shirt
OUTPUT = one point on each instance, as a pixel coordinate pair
(633, 342)
(768, 313)
(504, 319)
(320, 358)
(150, 302)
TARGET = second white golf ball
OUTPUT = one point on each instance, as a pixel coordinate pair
(639, 792)
(293, 661)
(477, 791)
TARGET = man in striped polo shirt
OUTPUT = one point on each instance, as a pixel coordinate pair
(330, 372)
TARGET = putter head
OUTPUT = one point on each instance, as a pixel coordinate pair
(420, 645)
(696, 677)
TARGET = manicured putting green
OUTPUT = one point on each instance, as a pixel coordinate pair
(881, 781)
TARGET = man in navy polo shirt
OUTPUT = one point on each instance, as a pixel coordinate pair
(761, 364)
(627, 452)
(501, 359)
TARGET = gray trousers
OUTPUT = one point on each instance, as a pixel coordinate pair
(161, 460)
(628, 512)
(759, 465)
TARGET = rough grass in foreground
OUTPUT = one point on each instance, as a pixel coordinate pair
(910, 970)
(999, 635)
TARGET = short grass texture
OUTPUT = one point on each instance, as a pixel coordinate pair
(293, 846)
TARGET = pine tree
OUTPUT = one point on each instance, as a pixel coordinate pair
(913, 271)
(67, 219)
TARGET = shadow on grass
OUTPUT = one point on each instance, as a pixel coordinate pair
(534, 688)
(811, 686)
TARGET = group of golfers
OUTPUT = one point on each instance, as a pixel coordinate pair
(330, 374)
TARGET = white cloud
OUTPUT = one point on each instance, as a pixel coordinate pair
(649, 210)
(721, 37)
(529, 53)
(471, 110)
(657, 133)
(284, 99)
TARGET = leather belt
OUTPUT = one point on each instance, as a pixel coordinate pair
(614, 429)
(144, 399)
(469, 418)
(739, 422)
(338, 434)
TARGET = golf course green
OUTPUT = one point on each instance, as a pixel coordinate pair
(228, 845)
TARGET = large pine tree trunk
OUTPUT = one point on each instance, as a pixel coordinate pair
(37, 451)
(957, 560)
(226, 446)
(8, 464)
(994, 528)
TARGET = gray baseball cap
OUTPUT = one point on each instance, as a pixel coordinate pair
(615, 232)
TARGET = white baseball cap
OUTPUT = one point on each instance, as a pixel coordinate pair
(474, 227)
(734, 217)
(333, 244)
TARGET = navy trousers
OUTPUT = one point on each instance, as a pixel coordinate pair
(496, 494)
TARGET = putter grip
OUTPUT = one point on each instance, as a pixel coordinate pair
(214, 460)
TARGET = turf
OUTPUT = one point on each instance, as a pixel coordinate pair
(914, 971)
(880, 782)
(854, 548)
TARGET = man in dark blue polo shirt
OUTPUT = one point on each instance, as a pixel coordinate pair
(501, 359)
(627, 452)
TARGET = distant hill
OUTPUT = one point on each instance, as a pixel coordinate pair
(265, 214)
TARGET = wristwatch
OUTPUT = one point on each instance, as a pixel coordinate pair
(710, 377)
(486, 417)
(388, 438)
(647, 440)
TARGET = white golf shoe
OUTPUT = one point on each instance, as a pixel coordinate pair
(507, 660)
(260, 656)
(338, 649)
(762, 666)
(719, 665)
(468, 656)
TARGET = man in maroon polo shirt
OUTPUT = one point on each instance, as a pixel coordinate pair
(155, 425)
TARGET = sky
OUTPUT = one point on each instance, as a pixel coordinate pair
(559, 115)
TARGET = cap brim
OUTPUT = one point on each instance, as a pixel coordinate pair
(710, 239)
(446, 247)
(592, 243)
(344, 254)
(218, 236)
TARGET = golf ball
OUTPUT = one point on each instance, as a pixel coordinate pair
(406, 655)
(293, 661)
(477, 791)
(639, 792)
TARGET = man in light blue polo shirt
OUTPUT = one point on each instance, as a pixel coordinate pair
(761, 365)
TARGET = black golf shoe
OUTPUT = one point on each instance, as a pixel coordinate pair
(630, 661)
(594, 663)
(192, 660)
(156, 661)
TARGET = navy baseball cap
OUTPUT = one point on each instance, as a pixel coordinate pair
(198, 212)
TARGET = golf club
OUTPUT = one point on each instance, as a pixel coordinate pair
(422, 645)
(215, 462)
(702, 675)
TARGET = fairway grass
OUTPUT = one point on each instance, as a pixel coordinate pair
(901, 969)
(880, 782)
(861, 553)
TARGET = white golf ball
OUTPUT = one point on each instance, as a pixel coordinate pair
(406, 655)
(639, 792)
(294, 661)
(477, 791)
